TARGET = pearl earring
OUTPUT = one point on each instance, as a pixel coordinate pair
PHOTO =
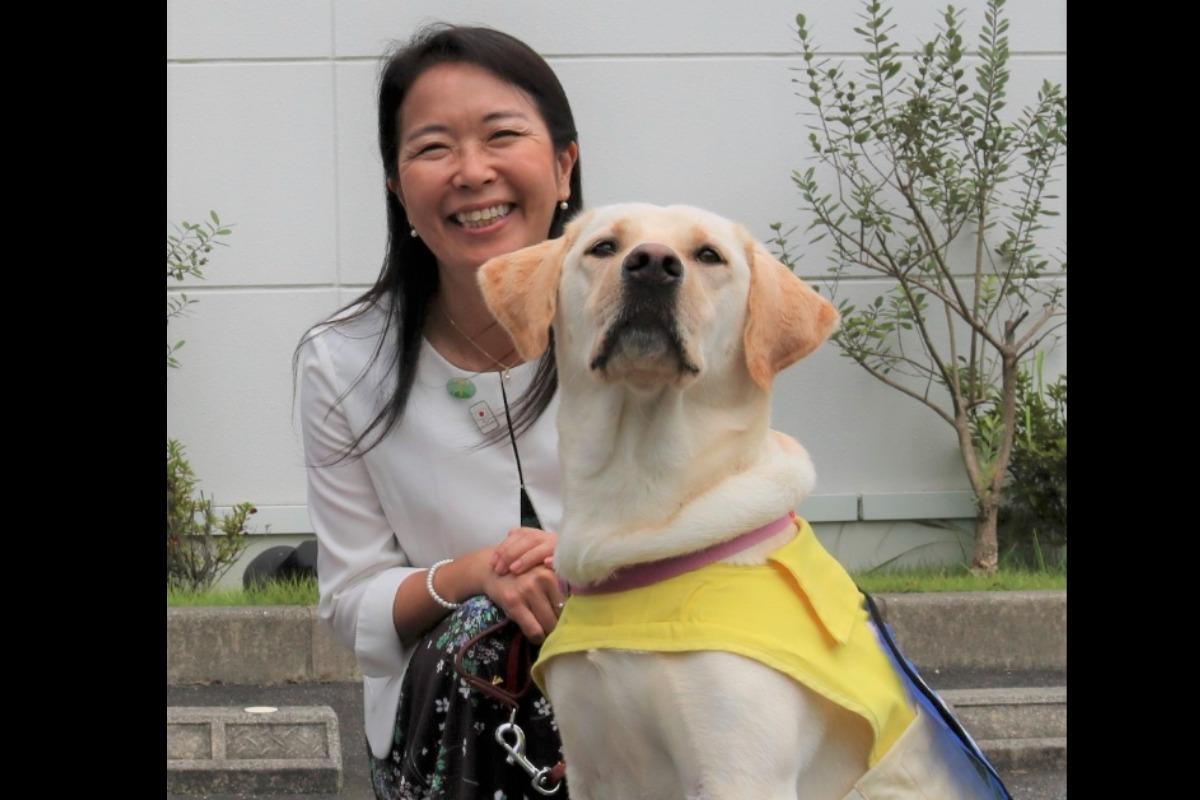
(412, 231)
(563, 205)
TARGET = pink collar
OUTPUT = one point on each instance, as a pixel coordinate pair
(638, 575)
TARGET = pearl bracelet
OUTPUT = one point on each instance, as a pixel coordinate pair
(437, 598)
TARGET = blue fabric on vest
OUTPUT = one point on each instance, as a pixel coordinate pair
(969, 763)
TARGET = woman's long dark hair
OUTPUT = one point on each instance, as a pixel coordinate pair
(409, 278)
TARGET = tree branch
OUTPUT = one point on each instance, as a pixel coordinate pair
(1049, 313)
(1034, 344)
(905, 390)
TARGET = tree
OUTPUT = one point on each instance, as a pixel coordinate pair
(918, 162)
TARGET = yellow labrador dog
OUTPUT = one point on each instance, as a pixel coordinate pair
(669, 327)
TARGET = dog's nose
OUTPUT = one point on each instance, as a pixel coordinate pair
(654, 264)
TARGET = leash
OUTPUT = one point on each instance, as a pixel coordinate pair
(546, 780)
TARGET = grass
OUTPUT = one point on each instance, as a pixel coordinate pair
(958, 579)
(298, 592)
(916, 579)
(1023, 566)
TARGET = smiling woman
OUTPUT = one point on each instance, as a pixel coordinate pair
(479, 178)
(433, 501)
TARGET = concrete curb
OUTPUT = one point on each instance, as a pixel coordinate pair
(263, 645)
(943, 631)
(980, 630)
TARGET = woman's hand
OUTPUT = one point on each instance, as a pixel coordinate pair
(523, 549)
(532, 599)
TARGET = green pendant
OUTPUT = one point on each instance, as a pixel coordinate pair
(462, 388)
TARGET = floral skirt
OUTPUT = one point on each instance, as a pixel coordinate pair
(444, 747)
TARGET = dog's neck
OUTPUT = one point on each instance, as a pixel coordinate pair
(657, 474)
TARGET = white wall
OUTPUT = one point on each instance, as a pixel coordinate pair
(270, 122)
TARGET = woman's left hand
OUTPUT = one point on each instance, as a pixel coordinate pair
(523, 549)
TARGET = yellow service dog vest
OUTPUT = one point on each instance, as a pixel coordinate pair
(800, 614)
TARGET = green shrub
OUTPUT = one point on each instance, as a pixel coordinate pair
(200, 546)
(1033, 522)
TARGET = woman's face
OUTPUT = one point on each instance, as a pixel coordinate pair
(478, 174)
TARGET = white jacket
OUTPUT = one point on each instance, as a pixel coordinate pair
(425, 493)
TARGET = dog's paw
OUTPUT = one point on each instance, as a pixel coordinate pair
(581, 565)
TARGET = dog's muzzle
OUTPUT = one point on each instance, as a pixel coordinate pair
(645, 329)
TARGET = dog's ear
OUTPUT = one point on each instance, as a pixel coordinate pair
(785, 318)
(521, 290)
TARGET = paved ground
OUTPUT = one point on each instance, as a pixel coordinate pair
(346, 700)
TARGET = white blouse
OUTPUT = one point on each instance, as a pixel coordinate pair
(425, 493)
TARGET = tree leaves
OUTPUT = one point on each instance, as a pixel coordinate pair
(187, 247)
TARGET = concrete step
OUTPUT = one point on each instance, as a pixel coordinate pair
(943, 680)
(1026, 755)
(1032, 768)
(1021, 729)
(256, 750)
(1011, 713)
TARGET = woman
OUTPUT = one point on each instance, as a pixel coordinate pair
(422, 460)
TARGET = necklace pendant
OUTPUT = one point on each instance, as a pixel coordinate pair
(462, 388)
(507, 373)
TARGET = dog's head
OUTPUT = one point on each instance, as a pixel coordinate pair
(652, 296)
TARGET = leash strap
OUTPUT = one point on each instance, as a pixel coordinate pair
(529, 517)
(520, 658)
(546, 780)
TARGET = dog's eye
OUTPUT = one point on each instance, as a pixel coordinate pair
(707, 255)
(603, 248)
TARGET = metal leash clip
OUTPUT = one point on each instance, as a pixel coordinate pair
(516, 754)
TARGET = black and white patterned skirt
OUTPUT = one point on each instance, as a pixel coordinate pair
(444, 746)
